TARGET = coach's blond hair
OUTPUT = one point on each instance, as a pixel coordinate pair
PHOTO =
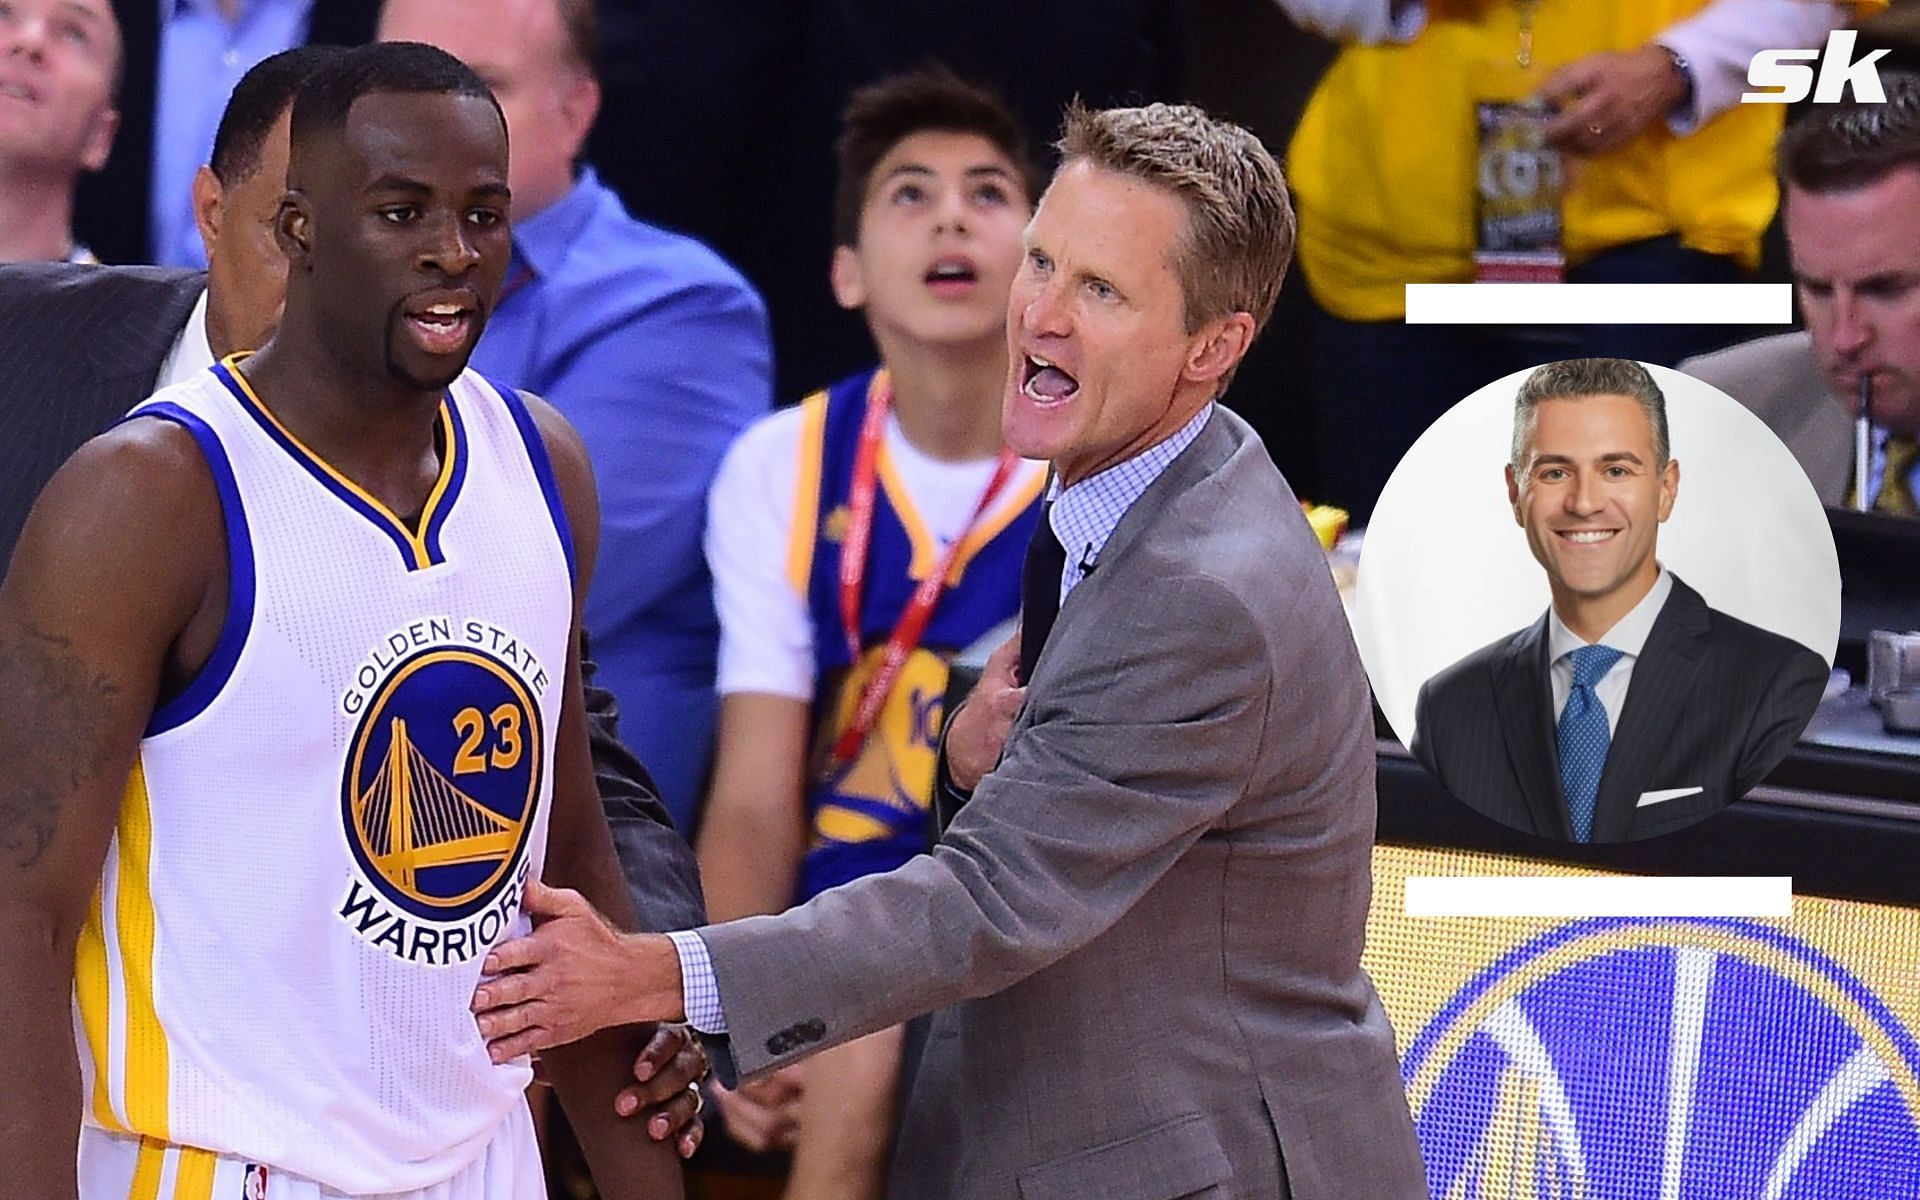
(1240, 225)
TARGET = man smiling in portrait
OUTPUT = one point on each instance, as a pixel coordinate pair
(1630, 708)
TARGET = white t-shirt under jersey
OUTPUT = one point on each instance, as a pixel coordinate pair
(766, 634)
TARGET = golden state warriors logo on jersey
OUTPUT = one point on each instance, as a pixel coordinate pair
(441, 785)
(1666, 1058)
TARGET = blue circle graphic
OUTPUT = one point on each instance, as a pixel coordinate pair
(442, 782)
(1689, 1058)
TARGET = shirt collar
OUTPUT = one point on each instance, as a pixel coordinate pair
(1085, 514)
(190, 354)
(542, 240)
(1629, 633)
(180, 8)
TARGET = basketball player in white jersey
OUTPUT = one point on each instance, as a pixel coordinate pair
(290, 712)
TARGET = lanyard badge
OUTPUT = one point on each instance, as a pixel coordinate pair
(912, 625)
(1519, 178)
(1517, 196)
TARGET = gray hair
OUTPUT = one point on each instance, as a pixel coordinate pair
(1576, 378)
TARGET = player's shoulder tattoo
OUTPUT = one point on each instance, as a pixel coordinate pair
(53, 733)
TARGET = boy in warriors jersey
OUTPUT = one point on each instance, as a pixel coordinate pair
(858, 540)
(290, 712)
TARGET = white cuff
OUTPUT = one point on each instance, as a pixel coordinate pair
(699, 990)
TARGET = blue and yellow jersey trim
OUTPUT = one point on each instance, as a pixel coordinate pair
(542, 465)
(132, 1076)
(926, 548)
(419, 550)
(234, 627)
(805, 531)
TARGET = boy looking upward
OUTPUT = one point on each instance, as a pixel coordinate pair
(857, 542)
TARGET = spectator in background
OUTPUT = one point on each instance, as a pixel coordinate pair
(205, 47)
(907, 461)
(743, 99)
(182, 59)
(58, 61)
(1852, 175)
(144, 328)
(1667, 178)
(652, 346)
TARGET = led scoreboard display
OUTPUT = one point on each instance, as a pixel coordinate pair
(1665, 1059)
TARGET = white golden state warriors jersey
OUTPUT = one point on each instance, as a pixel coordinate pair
(326, 831)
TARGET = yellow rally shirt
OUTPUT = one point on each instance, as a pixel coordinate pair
(1383, 163)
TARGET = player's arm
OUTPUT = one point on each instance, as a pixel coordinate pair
(659, 866)
(587, 1075)
(118, 576)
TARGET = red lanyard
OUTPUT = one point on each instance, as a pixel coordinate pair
(853, 568)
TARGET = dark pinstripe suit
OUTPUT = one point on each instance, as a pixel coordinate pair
(81, 345)
(1714, 704)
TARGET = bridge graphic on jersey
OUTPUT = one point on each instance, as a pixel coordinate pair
(413, 817)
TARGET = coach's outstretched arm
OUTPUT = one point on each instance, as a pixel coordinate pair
(626, 1163)
(1014, 885)
(117, 587)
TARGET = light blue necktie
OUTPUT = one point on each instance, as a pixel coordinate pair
(1583, 737)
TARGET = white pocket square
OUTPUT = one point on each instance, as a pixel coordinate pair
(1647, 798)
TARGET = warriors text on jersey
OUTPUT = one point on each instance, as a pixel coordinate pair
(328, 828)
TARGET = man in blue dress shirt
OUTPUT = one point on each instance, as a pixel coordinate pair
(205, 47)
(647, 341)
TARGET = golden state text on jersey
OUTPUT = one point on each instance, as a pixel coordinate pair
(326, 830)
(442, 781)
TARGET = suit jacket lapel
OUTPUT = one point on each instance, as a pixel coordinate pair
(1662, 681)
(1209, 451)
(132, 358)
(1524, 700)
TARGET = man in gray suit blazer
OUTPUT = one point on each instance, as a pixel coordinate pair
(1629, 708)
(1779, 379)
(1149, 915)
(1852, 181)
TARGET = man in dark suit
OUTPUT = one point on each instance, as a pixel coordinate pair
(111, 211)
(1851, 174)
(1190, 757)
(1629, 708)
(81, 345)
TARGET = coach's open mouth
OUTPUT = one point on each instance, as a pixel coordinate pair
(1044, 383)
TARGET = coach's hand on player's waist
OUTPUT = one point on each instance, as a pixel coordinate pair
(573, 975)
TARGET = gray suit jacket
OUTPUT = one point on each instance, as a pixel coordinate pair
(81, 345)
(1151, 912)
(1778, 378)
(1715, 704)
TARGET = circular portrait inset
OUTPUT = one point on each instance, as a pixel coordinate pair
(1599, 600)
